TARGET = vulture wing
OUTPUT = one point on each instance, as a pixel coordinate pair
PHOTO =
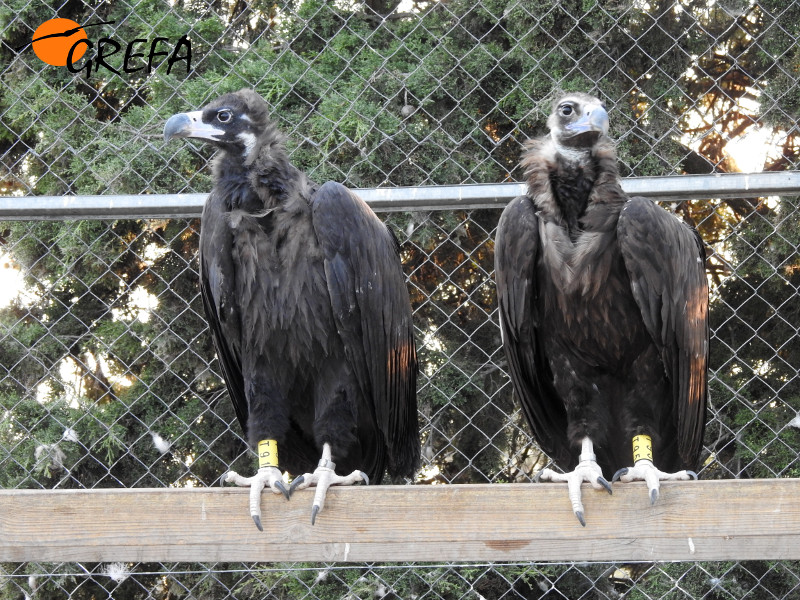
(665, 259)
(516, 253)
(373, 315)
(217, 277)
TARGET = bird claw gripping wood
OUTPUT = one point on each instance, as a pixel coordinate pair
(270, 477)
(645, 470)
(587, 470)
(323, 477)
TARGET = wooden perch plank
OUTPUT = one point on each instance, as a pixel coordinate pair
(703, 520)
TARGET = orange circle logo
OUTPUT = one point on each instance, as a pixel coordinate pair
(53, 39)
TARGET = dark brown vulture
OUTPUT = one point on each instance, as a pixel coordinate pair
(307, 305)
(603, 307)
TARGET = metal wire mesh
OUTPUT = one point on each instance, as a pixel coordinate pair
(107, 376)
(109, 380)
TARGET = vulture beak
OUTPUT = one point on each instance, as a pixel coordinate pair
(595, 119)
(190, 125)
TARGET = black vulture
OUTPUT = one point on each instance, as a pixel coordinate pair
(603, 307)
(307, 304)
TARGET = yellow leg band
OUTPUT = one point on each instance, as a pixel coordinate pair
(267, 453)
(642, 448)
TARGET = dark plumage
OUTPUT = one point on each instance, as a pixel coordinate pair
(306, 300)
(603, 303)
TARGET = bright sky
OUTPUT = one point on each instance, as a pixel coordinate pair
(10, 281)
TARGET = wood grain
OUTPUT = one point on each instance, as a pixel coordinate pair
(702, 520)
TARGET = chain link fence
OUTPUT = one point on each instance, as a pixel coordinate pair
(107, 373)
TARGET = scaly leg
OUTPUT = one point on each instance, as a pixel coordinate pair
(643, 469)
(268, 475)
(324, 477)
(587, 470)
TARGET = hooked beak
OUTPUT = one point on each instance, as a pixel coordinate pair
(595, 119)
(190, 125)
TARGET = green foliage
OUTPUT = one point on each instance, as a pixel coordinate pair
(364, 583)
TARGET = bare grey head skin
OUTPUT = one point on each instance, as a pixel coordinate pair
(295, 279)
(576, 122)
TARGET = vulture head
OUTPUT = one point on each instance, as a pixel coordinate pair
(578, 121)
(237, 123)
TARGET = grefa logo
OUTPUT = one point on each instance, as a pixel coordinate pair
(63, 42)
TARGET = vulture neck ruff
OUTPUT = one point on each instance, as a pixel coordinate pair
(541, 160)
(259, 178)
(570, 244)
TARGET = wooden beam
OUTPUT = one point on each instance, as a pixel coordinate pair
(702, 520)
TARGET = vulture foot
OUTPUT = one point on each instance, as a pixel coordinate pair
(323, 477)
(269, 477)
(588, 471)
(645, 470)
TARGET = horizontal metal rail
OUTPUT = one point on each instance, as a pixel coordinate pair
(435, 197)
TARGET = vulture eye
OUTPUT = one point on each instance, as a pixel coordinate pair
(566, 110)
(224, 116)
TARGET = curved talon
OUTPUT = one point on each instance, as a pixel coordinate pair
(298, 481)
(587, 471)
(266, 477)
(282, 489)
(579, 514)
(256, 487)
(323, 477)
(223, 479)
(645, 470)
(538, 476)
